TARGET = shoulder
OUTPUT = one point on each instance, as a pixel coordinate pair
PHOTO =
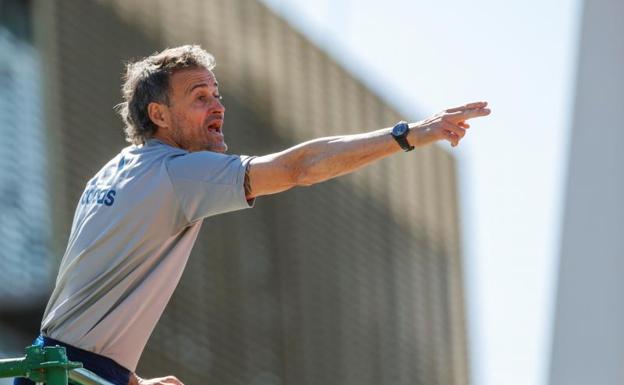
(208, 166)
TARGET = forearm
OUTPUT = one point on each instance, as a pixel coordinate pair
(325, 158)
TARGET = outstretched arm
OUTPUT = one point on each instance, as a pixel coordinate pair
(321, 159)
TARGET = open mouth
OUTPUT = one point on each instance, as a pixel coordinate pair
(215, 126)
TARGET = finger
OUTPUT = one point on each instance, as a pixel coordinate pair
(477, 105)
(463, 125)
(453, 132)
(468, 106)
(454, 128)
(459, 116)
(451, 137)
(456, 109)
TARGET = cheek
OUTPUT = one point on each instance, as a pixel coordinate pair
(181, 117)
(188, 121)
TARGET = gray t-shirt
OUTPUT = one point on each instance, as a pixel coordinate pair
(133, 230)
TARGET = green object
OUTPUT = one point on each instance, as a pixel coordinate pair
(41, 364)
(50, 365)
(85, 377)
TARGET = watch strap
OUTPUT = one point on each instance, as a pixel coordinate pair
(402, 139)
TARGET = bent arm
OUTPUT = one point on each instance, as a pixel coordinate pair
(321, 159)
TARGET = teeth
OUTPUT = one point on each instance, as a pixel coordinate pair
(214, 127)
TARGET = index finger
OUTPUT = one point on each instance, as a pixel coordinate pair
(470, 113)
(468, 106)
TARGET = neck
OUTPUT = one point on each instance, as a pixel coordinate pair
(166, 139)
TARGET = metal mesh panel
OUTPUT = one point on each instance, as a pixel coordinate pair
(24, 202)
(354, 281)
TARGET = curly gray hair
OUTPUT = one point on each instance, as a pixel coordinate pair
(147, 81)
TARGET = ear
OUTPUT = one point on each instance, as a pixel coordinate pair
(158, 114)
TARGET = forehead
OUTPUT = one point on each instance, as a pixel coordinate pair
(182, 82)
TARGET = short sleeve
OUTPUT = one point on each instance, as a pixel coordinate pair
(209, 183)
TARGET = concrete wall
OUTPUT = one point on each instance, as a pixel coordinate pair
(588, 342)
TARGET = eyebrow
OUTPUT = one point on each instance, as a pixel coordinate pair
(189, 90)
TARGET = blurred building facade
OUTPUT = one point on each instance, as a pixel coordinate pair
(354, 281)
(588, 337)
(25, 228)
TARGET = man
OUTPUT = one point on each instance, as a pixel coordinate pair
(139, 216)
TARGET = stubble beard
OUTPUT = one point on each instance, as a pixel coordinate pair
(189, 145)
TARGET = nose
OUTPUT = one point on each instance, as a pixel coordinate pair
(218, 107)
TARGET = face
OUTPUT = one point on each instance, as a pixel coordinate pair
(195, 113)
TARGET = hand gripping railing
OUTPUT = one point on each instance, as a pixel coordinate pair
(49, 365)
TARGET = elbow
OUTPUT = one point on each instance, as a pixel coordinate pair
(314, 172)
(302, 178)
(308, 176)
(302, 175)
(305, 183)
(309, 170)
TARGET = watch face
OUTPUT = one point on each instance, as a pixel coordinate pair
(400, 129)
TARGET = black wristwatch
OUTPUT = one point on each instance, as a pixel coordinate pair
(399, 133)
